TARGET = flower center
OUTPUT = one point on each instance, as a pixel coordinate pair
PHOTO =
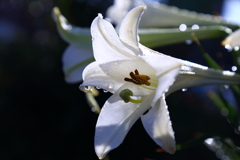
(142, 80)
(138, 79)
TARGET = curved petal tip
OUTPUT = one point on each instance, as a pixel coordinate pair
(100, 15)
(101, 153)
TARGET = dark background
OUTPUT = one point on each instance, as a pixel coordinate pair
(44, 118)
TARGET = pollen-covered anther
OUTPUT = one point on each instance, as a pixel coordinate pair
(138, 79)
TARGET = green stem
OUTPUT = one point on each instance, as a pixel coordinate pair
(136, 101)
(206, 56)
(76, 66)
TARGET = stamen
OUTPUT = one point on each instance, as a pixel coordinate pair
(153, 83)
(125, 95)
(138, 79)
(149, 88)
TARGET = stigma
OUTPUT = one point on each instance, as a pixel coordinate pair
(126, 96)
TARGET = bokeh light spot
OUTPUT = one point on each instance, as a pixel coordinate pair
(36, 9)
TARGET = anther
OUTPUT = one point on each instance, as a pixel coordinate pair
(138, 79)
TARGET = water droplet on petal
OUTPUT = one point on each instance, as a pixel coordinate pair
(188, 41)
(98, 88)
(184, 89)
(100, 15)
(234, 68)
(110, 86)
(182, 27)
(228, 47)
(85, 88)
(228, 30)
(195, 27)
(225, 86)
(105, 91)
(236, 48)
(209, 141)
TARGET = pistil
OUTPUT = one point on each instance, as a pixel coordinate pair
(126, 96)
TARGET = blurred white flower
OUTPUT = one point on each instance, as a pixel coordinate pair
(74, 60)
(79, 53)
(161, 15)
(232, 40)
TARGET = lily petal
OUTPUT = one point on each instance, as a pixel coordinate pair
(196, 75)
(121, 69)
(94, 76)
(115, 120)
(74, 60)
(157, 37)
(74, 35)
(166, 75)
(118, 10)
(158, 125)
(161, 15)
(128, 29)
(233, 39)
(106, 43)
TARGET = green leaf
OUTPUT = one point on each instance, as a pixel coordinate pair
(236, 59)
(162, 37)
(206, 56)
(191, 142)
(150, 37)
(226, 108)
(224, 146)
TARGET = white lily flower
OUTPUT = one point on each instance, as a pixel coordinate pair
(74, 60)
(139, 78)
(79, 53)
(233, 40)
(161, 15)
